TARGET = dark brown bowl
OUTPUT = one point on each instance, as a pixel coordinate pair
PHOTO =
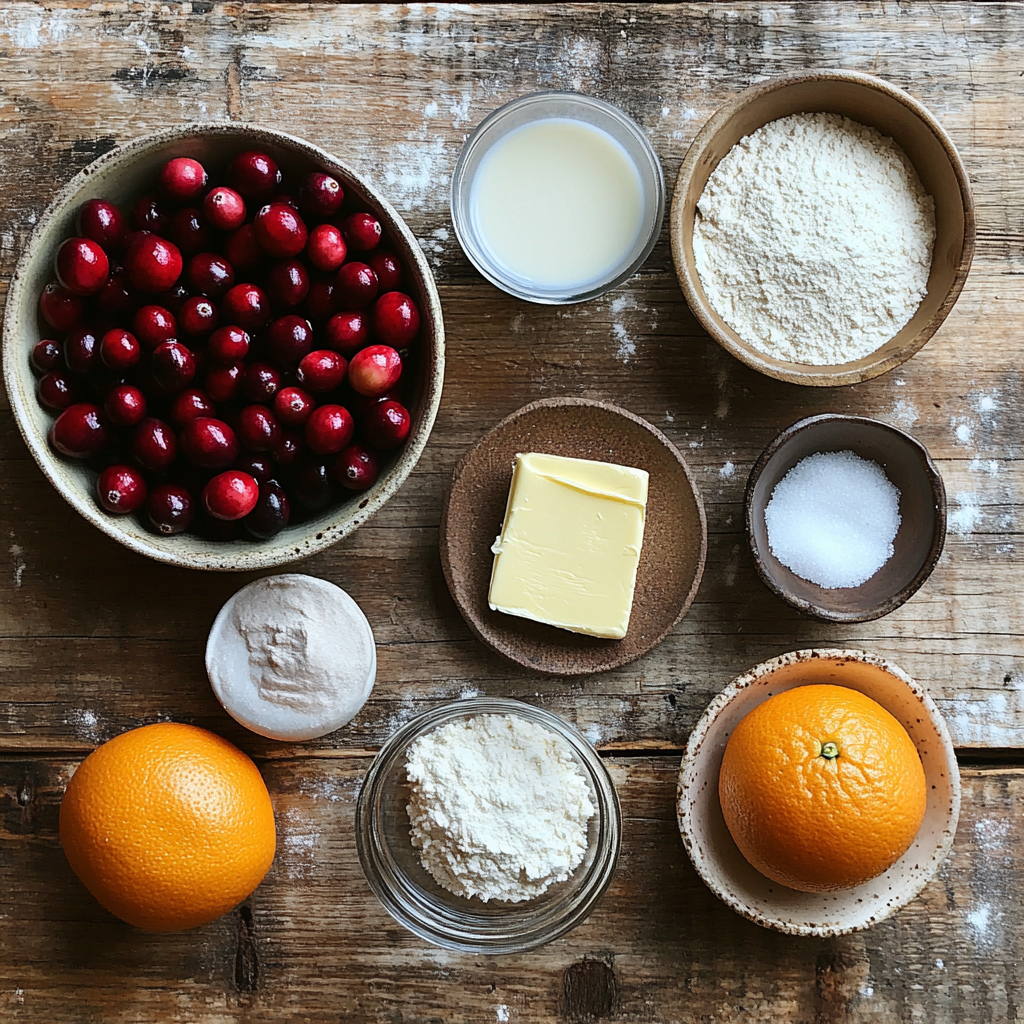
(918, 543)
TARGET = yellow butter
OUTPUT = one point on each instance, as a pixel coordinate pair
(569, 548)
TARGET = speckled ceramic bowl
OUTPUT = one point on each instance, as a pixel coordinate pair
(718, 860)
(122, 175)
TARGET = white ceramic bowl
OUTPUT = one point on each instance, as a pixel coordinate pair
(125, 173)
(718, 860)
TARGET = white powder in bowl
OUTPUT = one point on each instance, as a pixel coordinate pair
(499, 807)
(813, 239)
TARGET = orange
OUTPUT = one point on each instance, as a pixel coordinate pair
(168, 826)
(821, 788)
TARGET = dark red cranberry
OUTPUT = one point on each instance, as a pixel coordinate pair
(288, 339)
(117, 296)
(170, 508)
(183, 179)
(173, 298)
(260, 382)
(210, 274)
(198, 316)
(125, 405)
(375, 370)
(228, 345)
(153, 264)
(309, 483)
(151, 213)
(293, 406)
(287, 283)
(224, 208)
(60, 309)
(387, 268)
(82, 266)
(246, 305)
(190, 404)
(254, 175)
(271, 512)
(244, 253)
(395, 319)
(209, 443)
(47, 356)
(153, 325)
(104, 223)
(322, 370)
(153, 445)
(288, 448)
(81, 351)
(357, 285)
(257, 428)
(259, 467)
(173, 366)
(231, 495)
(347, 333)
(386, 425)
(326, 248)
(280, 230)
(322, 301)
(329, 429)
(288, 199)
(121, 489)
(56, 390)
(224, 383)
(321, 195)
(356, 468)
(119, 350)
(189, 230)
(80, 431)
(362, 231)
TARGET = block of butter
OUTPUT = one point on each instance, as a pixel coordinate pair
(568, 551)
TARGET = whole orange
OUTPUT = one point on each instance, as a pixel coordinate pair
(168, 826)
(821, 788)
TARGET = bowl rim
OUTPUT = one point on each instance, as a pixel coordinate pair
(894, 601)
(231, 559)
(687, 781)
(690, 284)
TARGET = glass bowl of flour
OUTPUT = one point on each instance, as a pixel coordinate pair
(488, 826)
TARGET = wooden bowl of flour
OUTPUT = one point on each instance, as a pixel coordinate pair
(868, 101)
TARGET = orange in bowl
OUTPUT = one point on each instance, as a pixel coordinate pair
(168, 826)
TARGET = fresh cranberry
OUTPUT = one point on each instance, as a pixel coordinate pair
(170, 509)
(347, 333)
(322, 370)
(223, 383)
(231, 495)
(121, 489)
(119, 350)
(357, 285)
(258, 466)
(395, 319)
(280, 230)
(321, 195)
(189, 230)
(60, 309)
(387, 425)
(81, 351)
(209, 443)
(288, 448)
(47, 356)
(254, 175)
(293, 406)
(104, 223)
(117, 296)
(329, 429)
(82, 266)
(173, 298)
(310, 485)
(57, 390)
(244, 253)
(287, 283)
(224, 208)
(228, 345)
(322, 301)
(246, 305)
(125, 405)
(362, 231)
(210, 274)
(288, 199)
(150, 213)
(326, 248)
(387, 268)
(258, 429)
(271, 512)
(260, 382)
(289, 338)
(375, 370)
(153, 264)
(183, 179)
(356, 468)
(153, 445)
(173, 366)
(198, 316)
(80, 431)
(190, 404)
(153, 325)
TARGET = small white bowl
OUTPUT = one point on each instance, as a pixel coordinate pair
(717, 858)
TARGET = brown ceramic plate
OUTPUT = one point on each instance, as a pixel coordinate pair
(916, 547)
(675, 534)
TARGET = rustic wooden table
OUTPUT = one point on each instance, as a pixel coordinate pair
(94, 640)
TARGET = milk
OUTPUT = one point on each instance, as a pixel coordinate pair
(558, 204)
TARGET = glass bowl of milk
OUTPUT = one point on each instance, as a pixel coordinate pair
(557, 197)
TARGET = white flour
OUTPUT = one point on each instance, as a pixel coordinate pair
(813, 239)
(499, 808)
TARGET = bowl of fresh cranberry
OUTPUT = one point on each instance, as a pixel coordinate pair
(223, 347)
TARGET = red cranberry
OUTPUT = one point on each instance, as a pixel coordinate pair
(150, 213)
(260, 382)
(231, 495)
(395, 319)
(287, 449)
(326, 248)
(288, 199)
(224, 208)
(247, 306)
(362, 231)
(293, 406)
(170, 509)
(253, 174)
(47, 356)
(387, 268)
(117, 296)
(173, 298)
(287, 283)
(121, 489)
(210, 274)
(322, 370)
(82, 266)
(183, 179)
(125, 405)
(322, 301)
(189, 230)
(228, 345)
(310, 485)
(375, 370)
(209, 443)
(223, 383)
(119, 350)
(153, 325)
(198, 316)
(329, 429)
(356, 468)
(104, 223)
(257, 428)
(81, 351)
(357, 285)
(387, 425)
(289, 338)
(259, 467)
(347, 333)
(280, 230)
(244, 253)
(271, 512)
(172, 365)
(321, 195)
(153, 264)
(190, 404)
(80, 431)
(57, 390)
(60, 309)
(153, 445)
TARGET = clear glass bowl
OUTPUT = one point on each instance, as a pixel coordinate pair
(538, 106)
(409, 893)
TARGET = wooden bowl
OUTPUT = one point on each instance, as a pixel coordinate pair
(717, 858)
(671, 559)
(869, 101)
(918, 542)
(123, 174)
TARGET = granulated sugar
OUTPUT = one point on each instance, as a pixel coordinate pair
(832, 519)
